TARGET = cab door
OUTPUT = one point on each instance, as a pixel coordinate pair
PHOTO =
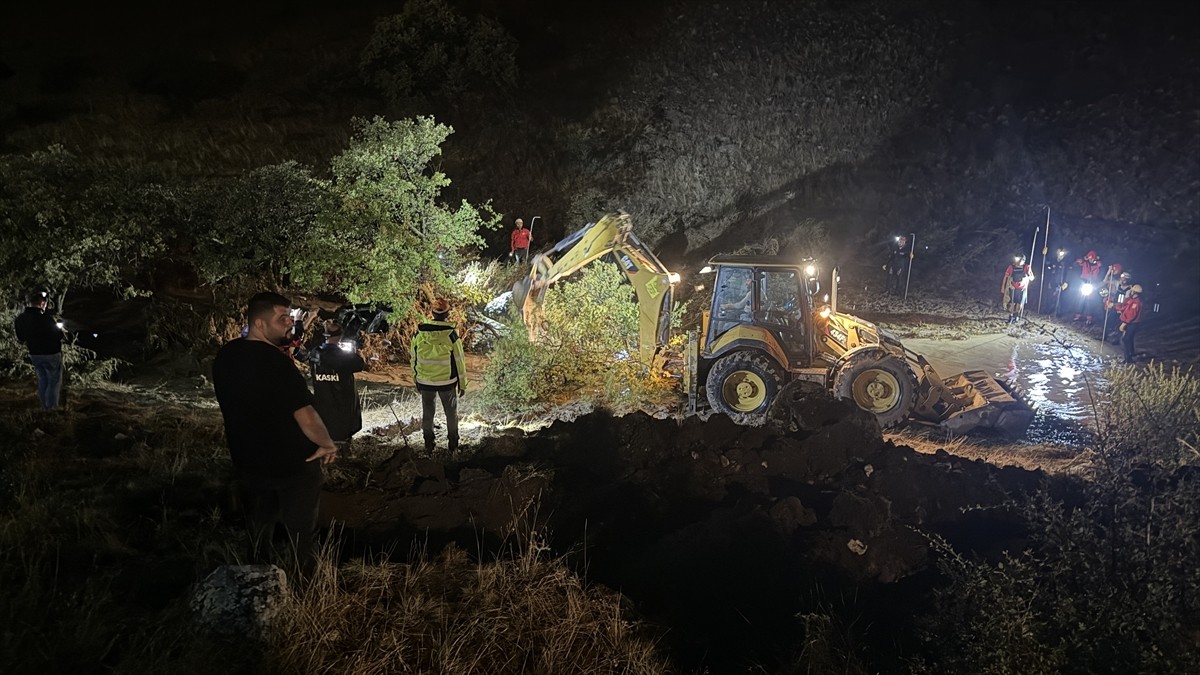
(782, 308)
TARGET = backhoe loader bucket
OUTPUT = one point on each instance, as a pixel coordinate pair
(969, 400)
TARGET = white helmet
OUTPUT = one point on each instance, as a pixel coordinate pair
(1137, 288)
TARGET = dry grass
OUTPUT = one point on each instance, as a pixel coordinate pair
(1054, 459)
(124, 488)
(452, 616)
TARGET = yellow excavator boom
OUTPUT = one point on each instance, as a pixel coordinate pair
(612, 234)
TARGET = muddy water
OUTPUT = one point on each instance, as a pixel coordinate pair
(1057, 376)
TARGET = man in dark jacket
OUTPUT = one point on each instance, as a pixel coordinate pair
(333, 365)
(897, 266)
(42, 336)
(276, 439)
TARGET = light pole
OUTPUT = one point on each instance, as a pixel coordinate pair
(1062, 272)
(1045, 250)
(912, 247)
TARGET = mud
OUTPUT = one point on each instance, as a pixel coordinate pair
(719, 533)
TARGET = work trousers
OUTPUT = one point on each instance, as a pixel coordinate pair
(449, 406)
(292, 501)
(1127, 339)
(49, 369)
(1088, 305)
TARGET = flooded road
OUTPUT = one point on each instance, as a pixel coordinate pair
(1057, 376)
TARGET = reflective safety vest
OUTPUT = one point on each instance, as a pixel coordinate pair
(437, 357)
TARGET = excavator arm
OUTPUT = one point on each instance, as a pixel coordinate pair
(612, 234)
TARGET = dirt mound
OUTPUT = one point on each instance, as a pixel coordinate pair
(719, 531)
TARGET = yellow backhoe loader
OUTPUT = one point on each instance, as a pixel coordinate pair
(764, 327)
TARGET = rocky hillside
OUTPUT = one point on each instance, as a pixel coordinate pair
(825, 127)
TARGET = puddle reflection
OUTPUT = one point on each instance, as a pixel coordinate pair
(1058, 380)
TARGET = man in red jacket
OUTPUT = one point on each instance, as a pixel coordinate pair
(1089, 276)
(518, 248)
(1131, 320)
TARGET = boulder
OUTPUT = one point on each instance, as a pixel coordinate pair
(240, 600)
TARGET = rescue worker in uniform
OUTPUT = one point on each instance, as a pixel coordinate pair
(440, 371)
(1089, 275)
(1131, 320)
(897, 266)
(332, 366)
(1112, 278)
(518, 242)
(1014, 290)
(1114, 292)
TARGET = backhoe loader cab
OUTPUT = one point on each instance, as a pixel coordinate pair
(757, 333)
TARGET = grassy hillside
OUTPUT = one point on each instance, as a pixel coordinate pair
(823, 126)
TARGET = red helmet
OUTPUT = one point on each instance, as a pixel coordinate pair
(1092, 255)
(1115, 267)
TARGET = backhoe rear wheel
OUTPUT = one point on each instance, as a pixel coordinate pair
(742, 385)
(884, 387)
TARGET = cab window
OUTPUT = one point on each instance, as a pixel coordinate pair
(781, 298)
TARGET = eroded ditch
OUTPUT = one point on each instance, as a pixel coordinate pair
(719, 533)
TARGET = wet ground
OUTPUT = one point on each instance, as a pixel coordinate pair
(1058, 365)
(1060, 376)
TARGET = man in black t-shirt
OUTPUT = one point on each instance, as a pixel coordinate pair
(276, 439)
(333, 365)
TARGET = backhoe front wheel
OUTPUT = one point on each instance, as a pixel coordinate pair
(742, 385)
(884, 387)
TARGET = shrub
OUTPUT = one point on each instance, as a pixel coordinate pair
(1152, 414)
(1109, 582)
(587, 345)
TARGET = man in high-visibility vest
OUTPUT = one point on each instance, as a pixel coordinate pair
(439, 370)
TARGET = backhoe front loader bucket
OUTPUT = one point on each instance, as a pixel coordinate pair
(969, 400)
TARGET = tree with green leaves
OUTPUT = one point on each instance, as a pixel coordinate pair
(67, 224)
(254, 226)
(390, 233)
